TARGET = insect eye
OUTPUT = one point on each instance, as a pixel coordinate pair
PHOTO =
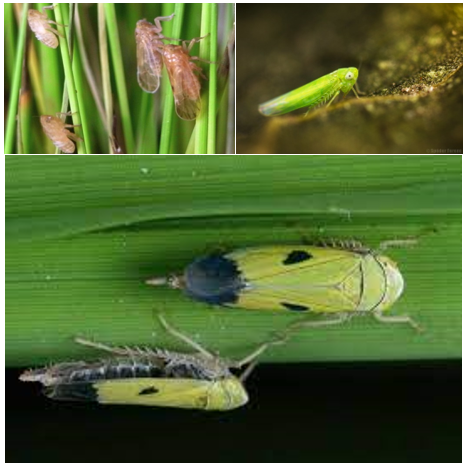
(349, 75)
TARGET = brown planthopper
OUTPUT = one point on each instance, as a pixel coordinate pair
(39, 24)
(57, 132)
(149, 43)
(184, 82)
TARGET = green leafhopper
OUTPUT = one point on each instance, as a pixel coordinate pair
(151, 377)
(322, 90)
(339, 280)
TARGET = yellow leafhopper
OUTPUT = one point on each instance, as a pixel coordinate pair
(339, 280)
(151, 377)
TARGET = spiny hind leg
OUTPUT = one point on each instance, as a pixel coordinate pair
(281, 338)
(408, 242)
(183, 337)
(122, 351)
(397, 320)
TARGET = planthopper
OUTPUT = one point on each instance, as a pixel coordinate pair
(320, 91)
(57, 132)
(40, 26)
(184, 78)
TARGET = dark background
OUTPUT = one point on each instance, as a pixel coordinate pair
(366, 412)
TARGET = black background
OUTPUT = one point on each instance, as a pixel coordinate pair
(366, 412)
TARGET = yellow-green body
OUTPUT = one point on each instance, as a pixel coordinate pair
(184, 393)
(317, 92)
(330, 280)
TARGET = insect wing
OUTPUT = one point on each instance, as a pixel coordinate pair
(181, 393)
(303, 279)
(185, 84)
(149, 59)
(318, 92)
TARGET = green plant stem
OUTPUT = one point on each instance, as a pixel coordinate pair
(168, 112)
(212, 90)
(75, 109)
(105, 73)
(116, 53)
(16, 84)
(201, 125)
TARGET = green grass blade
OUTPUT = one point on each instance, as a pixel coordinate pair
(83, 233)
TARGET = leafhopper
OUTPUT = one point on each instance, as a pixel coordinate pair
(320, 91)
(151, 377)
(39, 24)
(57, 132)
(337, 281)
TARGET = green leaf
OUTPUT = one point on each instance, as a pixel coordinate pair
(83, 234)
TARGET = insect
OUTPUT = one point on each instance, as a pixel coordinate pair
(57, 132)
(39, 24)
(149, 43)
(322, 90)
(152, 54)
(151, 377)
(337, 280)
(184, 82)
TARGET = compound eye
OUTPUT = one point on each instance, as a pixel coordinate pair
(349, 75)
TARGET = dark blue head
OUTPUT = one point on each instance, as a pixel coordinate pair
(213, 279)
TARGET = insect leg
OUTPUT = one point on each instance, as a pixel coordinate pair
(355, 93)
(397, 243)
(55, 30)
(49, 7)
(313, 323)
(397, 319)
(106, 348)
(59, 114)
(72, 135)
(251, 358)
(192, 42)
(358, 90)
(157, 22)
(331, 100)
(183, 337)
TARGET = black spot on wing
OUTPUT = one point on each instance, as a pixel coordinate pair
(148, 390)
(294, 307)
(296, 256)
